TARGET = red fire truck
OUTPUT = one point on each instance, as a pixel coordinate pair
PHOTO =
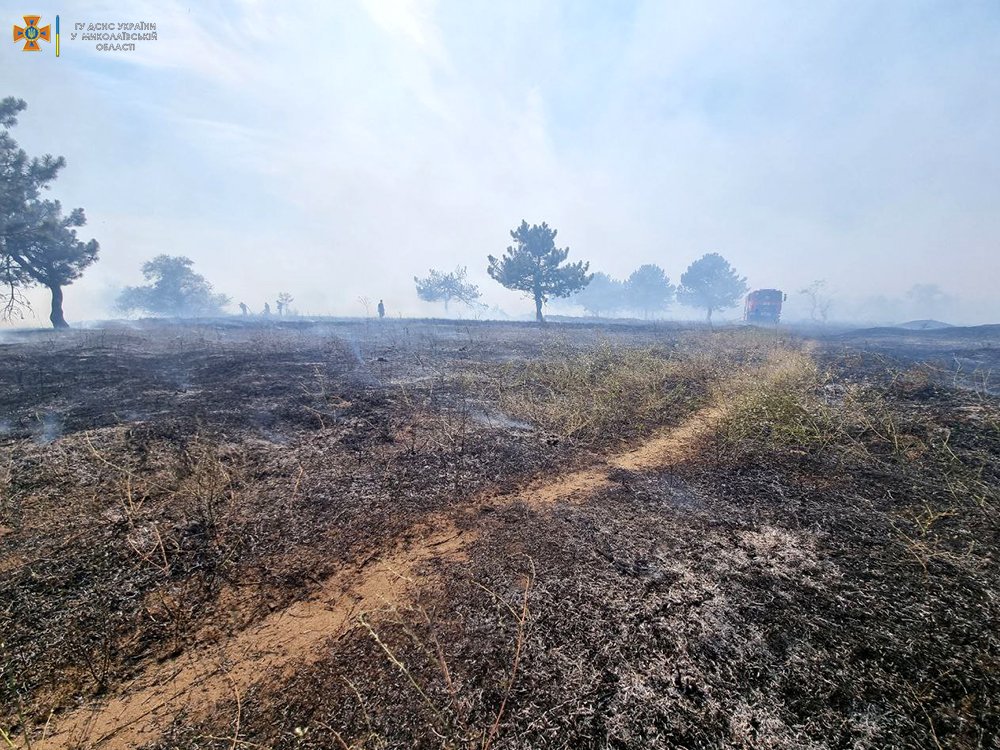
(764, 306)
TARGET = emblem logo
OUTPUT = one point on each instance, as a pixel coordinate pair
(31, 33)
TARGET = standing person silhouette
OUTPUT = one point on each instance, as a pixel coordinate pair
(267, 310)
(244, 309)
(381, 310)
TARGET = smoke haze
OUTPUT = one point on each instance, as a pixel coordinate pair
(336, 149)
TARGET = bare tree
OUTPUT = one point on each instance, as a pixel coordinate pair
(820, 300)
(284, 300)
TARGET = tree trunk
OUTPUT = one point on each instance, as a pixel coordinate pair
(56, 316)
(538, 308)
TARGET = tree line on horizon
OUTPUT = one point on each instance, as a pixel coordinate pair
(39, 246)
(534, 265)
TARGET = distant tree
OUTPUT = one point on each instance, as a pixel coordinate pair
(649, 289)
(174, 290)
(603, 295)
(819, 300)
(283, 301)
(38, 244)
(532, 265)
(928, 300)
(711, 284)
(445, 287)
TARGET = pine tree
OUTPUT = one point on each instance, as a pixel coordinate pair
(533, 265)
(174, 290)
(38, 244)
(446, 287)
(602, 295)
(712, 284)
(649, 289)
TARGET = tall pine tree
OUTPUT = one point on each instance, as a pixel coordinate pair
(533, 265)
(38, 244)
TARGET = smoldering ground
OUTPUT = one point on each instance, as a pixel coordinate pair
(656, 536)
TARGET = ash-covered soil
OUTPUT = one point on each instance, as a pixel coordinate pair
(410, 534)
(965, 357)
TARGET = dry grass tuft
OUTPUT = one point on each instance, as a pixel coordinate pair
(595, 393)
(613, 392)
(778, 404)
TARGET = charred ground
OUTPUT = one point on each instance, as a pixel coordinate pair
(412, 534)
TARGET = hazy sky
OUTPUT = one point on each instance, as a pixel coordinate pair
(335, 148)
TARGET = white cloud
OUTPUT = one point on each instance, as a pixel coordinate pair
(412, 20)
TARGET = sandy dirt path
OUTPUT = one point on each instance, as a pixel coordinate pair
(202, 676)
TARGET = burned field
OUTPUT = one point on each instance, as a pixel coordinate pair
(485, 535)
